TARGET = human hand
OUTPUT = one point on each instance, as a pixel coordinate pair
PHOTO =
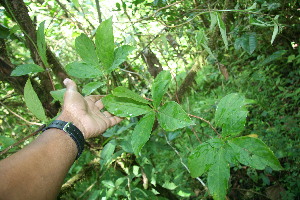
(84, 112)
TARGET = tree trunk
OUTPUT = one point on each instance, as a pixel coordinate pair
(19, 13)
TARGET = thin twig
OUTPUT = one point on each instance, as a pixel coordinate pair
(22, 140)
(130, 72)
(168, 6)
(184, 165)
(174, 77)
(98, 11)
(87, 189)
(211, 126)
(12, 112)
(193, 130)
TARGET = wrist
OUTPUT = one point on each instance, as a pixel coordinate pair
(67, 118)
(72, 130)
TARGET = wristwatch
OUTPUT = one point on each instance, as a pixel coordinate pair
(73, 132)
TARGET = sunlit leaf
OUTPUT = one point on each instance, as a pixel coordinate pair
(121, 54)
(83, 70)
(253, 152)
(76, 3)
(41, 44)
(160, 87)
(21, 70)
(231, 114)
(86, 49)
(58, 95)
(105, 44)
(213, 20)
(171, 117)
(91, 87)
(33, 103)
(124, 107)
(141, 132)
(275, 32)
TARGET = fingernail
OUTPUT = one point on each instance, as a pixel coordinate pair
(66, 81)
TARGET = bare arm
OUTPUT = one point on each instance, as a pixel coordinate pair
(38, 170)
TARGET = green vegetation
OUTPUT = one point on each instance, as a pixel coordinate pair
(209, 89)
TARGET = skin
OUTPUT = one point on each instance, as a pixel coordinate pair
(38, 170)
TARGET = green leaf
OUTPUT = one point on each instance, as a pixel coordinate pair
(171, 117)
(276, 28)
(141, 132)
(105, 44)
(204, 45)
(21, 70)
(222, 28)
(76, 3)
(202, 158)
(125, 92)
(41, 44)
(83, 70)
(6, 142)
(124, 107)
(160, 87)
(200, 37)
(248, 42)
(213, 20)
(218, 176)
(275, 32)
(86, 49)
(33, 103)
(4, 32)
(231, 114)
(274, 56)
(58, 95)
(253, 152)
(121, 54)
(107, 152)
(91, 87)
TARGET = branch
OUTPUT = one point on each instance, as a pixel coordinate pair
(12, 112)
(22, 140)
(78, 24)
(211, 126)
(98, 11)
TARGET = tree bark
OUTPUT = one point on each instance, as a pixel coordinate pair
(189, 80)
(19, 13)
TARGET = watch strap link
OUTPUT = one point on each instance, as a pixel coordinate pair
(73, 132)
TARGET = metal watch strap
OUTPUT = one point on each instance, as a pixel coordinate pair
(73, 132)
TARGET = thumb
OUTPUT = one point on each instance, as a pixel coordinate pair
(71, 85)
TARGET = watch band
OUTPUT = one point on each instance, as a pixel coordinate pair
(73, 132)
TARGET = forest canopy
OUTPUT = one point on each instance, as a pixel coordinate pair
(209, 90)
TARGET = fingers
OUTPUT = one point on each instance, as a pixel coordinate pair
(107, 114)
(113, 119)
(94, 98)
(70, 84)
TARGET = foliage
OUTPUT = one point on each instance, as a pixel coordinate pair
(212, 56)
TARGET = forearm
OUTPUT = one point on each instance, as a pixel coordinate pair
(38, 170)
